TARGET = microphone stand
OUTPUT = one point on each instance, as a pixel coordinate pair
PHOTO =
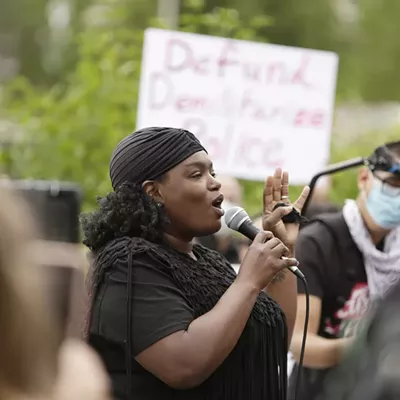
(331, 169)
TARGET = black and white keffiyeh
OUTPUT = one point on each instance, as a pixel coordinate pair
(382, 267)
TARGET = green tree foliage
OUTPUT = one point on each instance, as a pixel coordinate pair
(71, 128)
(379, 50)
(306, 23)
(25, 30)
(25, 23)
(368, 48)
(226, 22)
(344, 184)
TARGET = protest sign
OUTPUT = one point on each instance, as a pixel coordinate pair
(254, 106)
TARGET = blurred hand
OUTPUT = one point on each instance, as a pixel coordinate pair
(276, 190)
(81, 374)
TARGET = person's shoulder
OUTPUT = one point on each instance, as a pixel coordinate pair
(148, 261)
(323, 226)
(212, 256)
(322, 234)
(134, 249)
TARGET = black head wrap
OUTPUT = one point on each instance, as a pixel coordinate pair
(149, 153)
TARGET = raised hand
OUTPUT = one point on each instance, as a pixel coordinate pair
(276, 190)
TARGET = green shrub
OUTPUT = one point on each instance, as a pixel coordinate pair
(71, 128)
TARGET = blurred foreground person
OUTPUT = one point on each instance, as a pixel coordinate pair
(350, 259)
(81, 374)
(370, 369)
(28, 362)
(170, 319)
(32, 366)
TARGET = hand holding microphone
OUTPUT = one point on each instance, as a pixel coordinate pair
(270, 254)
(267, 255)
(265, 258)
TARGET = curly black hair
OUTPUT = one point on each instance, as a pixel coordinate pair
(128, 211)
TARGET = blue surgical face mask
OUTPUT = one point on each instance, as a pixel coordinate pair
(383, 205)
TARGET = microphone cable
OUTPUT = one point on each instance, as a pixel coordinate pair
(237, 219)
(295, 217)
(304, 340)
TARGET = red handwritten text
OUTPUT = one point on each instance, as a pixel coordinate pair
(249, 151)
(180, 56)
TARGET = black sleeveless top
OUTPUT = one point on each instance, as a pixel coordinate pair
(143, 292)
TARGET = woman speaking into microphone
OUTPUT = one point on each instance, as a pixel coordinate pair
(171, 320)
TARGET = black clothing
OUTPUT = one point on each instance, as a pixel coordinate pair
(231, 253)
(335, 272)
(168, 291)
(369, 370)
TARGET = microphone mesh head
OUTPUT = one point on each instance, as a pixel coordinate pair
(235, 216)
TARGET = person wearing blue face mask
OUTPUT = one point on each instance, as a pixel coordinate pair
(383, 201)
(350, 259)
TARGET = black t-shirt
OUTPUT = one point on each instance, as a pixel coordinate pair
(169, 290)
(335, 272)
(158, 310)
(231, 253)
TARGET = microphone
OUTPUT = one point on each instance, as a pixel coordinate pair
(238, 220)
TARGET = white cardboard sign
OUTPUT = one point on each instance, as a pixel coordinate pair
(253, 106)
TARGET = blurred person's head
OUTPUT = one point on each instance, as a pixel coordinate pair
(257, 221)
(320, 194)
(225, 231)
(379, 189)
(231, 189)
(223, 240)
(28, 357)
